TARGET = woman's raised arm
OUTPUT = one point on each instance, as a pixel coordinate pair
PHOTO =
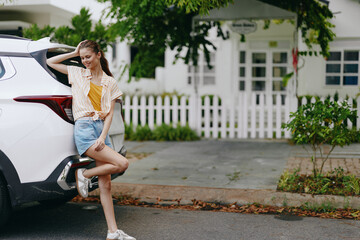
(55, 62)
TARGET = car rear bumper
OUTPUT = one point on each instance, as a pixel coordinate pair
(66, 179)
(60, 184)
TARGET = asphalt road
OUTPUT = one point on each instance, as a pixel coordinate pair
(74, 221)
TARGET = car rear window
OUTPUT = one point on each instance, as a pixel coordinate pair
(2, 69)
(63, 78)
(7, 69)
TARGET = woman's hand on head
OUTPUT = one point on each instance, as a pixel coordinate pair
(99, 144)
(77, 50)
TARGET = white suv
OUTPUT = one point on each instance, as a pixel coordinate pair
(37, 151)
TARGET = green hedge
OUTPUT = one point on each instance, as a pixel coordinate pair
(163, 132)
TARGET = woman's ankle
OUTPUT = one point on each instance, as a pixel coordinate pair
(112, 230)
(85, 173)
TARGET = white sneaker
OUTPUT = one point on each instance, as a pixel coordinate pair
(82, 183)
(119, 234)
(125, 236)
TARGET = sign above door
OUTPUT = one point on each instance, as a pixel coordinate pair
(243, 26)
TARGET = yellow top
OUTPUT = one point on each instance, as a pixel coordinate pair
(95, 96)
(79, 78)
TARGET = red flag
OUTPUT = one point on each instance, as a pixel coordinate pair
(295, 58)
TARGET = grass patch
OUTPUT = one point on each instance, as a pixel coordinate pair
(325, 207)
(333, 183)
(233, 177)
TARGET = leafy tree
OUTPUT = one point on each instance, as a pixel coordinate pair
(35, 33)
(313, 18)
(200, 6)
(153, 26)
(81, 28)
(321, 123)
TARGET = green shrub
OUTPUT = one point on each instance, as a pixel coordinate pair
(186, 133)
(142, 133)
(163, 133)
(129, 131)
(160, 133)
(319, 123)
(168, 133)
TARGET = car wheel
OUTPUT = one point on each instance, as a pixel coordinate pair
(5, 208)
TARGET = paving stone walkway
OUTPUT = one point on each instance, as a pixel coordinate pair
(305, 165)
(347, 158)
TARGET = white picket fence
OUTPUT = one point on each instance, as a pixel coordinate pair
(253, 116)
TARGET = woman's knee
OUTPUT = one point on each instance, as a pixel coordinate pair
(105, 183)
(122, 165)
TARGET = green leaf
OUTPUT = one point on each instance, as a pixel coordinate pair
(286, 78)
(81, 28)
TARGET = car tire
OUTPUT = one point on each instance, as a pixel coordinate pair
(5, 207)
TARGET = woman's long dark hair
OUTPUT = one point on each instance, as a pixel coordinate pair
(96, 49)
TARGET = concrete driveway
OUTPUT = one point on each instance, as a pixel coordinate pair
(209, 163)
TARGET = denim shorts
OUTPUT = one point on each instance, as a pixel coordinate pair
(86, 132)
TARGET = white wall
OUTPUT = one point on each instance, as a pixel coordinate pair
(347, 18)
(226, 61)
(312, 76)
(48, 12)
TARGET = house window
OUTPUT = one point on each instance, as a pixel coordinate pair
(342, 68)
(114, 55)
(189, 80)
(203, 74)
(191, 74)
(258, 71)
(279, 70)
(267, 69)
(242, 67)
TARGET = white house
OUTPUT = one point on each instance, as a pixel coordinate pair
(256, 65)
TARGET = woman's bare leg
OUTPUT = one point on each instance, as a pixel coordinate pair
(107, 201)
(107, 162)
(113, 162)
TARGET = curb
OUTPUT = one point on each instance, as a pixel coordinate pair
(185, 194)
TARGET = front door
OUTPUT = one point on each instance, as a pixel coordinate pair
(261, 71)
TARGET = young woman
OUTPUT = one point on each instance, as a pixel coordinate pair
(94, 93)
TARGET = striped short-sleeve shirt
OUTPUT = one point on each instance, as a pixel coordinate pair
(79, 78)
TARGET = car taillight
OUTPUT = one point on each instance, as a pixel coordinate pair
(60, 104)
(80, 164)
